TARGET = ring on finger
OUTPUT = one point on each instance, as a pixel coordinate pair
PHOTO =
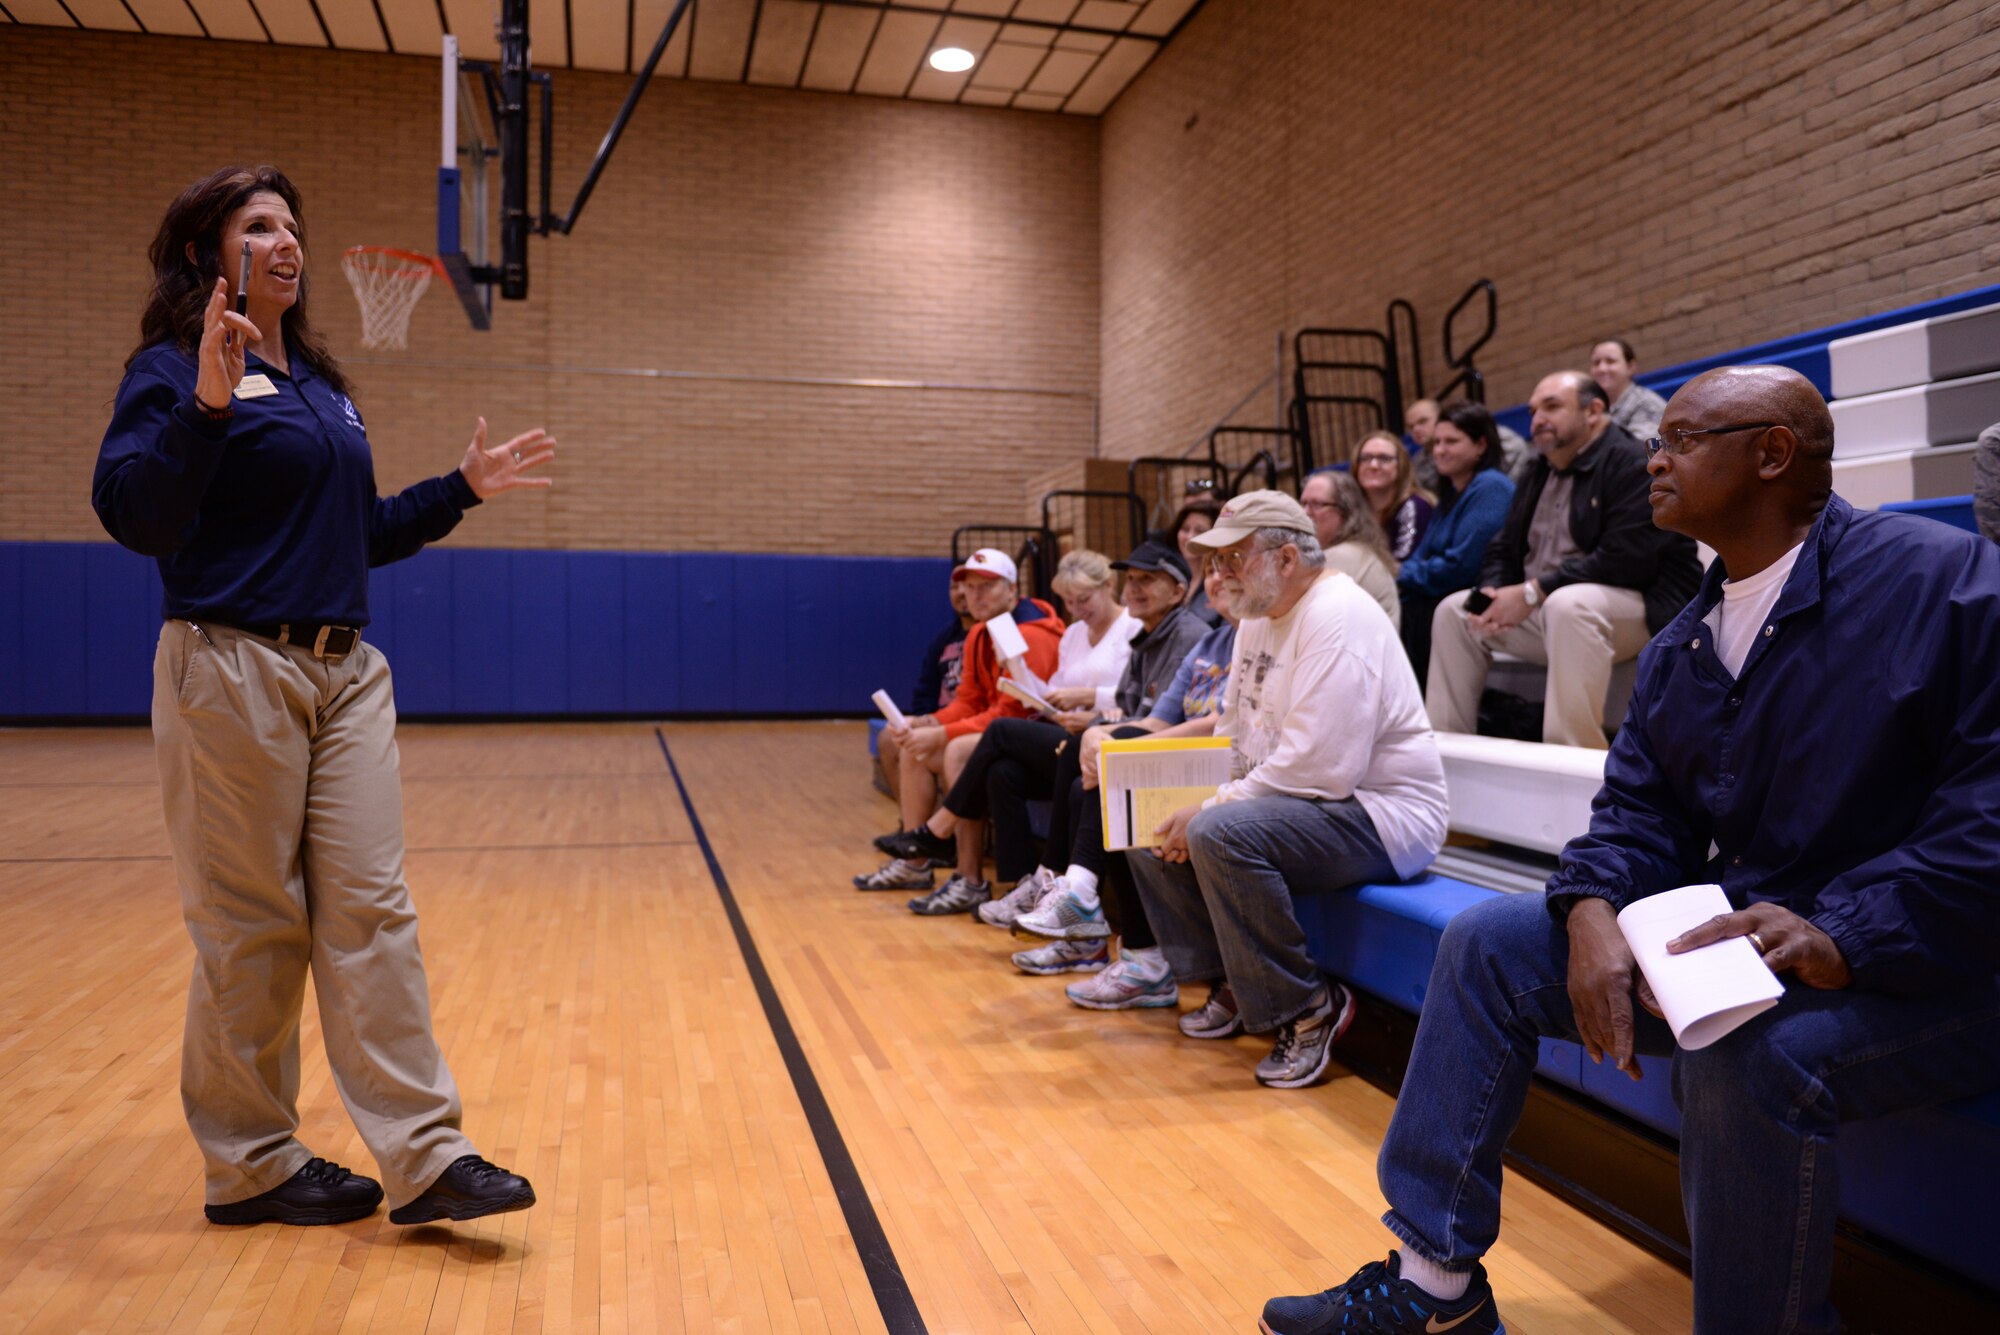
(517, 456)
(1758, 942)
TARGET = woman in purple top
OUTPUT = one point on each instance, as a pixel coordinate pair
(1383, 468)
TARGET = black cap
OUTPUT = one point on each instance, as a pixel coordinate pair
(1157, 557)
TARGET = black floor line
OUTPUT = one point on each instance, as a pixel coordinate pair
(892, 1291)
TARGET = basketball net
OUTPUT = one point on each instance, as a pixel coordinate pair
(387, 283)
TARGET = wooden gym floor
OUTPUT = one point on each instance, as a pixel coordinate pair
(1034, 1167)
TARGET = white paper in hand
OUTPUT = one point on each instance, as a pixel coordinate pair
(1707, 992)
(1008, 642)
(889, 710)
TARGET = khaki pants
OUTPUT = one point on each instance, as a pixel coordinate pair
(1579, 632)
(284, 806)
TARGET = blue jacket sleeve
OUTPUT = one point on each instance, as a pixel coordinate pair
(1448, 558)
(400, 525)
(1923, 918)
(158, 456)
(1641, 840)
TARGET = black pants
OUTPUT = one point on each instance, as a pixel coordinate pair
(1418, 609)
(1078, 823)
(1014, 764)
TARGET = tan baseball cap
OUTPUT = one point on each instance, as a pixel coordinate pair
(1245, 514)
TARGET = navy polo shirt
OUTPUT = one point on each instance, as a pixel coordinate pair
(1850, 773)
(270, 516)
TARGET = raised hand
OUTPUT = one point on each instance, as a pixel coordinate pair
(505, 467)
(225, 339)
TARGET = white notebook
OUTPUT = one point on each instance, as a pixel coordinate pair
(1707, 992)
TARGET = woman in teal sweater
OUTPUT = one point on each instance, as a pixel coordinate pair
(1473, 498)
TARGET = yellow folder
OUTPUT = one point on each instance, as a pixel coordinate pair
(1144, 780)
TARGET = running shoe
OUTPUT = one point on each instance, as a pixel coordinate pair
(1062, 916)
(956, 895)
(1379, 1299)
(1138, 981)
(1304, 1048)
(1025, 895)
(1217, 1017)
(896, 875)
(1064, 957)
(920, 845)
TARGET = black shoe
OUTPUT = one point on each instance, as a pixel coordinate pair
(920, 845)
(468, 1189)
(319, 1193)
(882, 841)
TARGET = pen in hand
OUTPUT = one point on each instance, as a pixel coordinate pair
(242, 289)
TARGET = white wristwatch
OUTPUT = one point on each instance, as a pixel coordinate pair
(1532, 592)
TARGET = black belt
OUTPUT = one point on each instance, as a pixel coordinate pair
(322, 639)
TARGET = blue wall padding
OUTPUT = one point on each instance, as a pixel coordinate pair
(1954, 510)
(1805, 353)
(484, 632)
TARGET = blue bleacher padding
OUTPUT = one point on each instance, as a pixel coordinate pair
(1383, 939)
(1805, 352)
(487, 632)
(1953, 510)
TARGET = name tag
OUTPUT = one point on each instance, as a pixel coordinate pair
(256, 386)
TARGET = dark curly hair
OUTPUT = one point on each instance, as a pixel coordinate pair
(182, 286)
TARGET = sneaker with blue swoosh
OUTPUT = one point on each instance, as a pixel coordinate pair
(1378, 1299)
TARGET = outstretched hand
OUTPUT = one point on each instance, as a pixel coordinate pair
(504, 467)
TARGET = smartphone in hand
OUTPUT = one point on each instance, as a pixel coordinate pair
(1477, 601)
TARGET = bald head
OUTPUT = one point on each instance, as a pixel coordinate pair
(1763, 394)
(1748, 451)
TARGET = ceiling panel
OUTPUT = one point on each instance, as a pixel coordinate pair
(415, 30)
(597, 33)
(352, 23)
(1061, 72)
(1008, 66)
(229, 20)
(548, 31)
(784, 34)
(648, 17)
(993, 9)
(1038, 102)
(1104, 14)
(987, 97)
(901, 44)
(1046, 11)
(42, 12)
(721, 39)
(471, 23)
(1159, 17)
(108, 15)
(838, 46)
(1028, 34)
(169, 17)
(1092, 42)
(1120, 65)
(290, 21)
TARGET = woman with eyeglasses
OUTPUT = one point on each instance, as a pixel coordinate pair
(1474, 493)
(1196, 517)
(1387, 474)
(1345, 524)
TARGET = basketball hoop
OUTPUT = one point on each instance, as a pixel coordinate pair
(387, 283)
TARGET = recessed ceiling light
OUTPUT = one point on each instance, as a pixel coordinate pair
(952, 59)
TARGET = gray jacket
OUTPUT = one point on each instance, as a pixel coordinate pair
(1986, 482)
(1156, 656)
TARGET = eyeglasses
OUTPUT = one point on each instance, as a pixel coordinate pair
(1234, 563)
(1388, 460)
(1675, 443)
(1316, 506)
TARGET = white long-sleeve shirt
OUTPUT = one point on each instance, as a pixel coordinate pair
(1100, 666)
(1322, 704)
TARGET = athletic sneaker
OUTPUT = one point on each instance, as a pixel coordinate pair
(882, 841)
(896, 875)
(1064, 957)
(1305, 1045)
(1027, 893)
(1217, 1017)
(956, 895)
(1377, 1298)
(920, 845)
(1135, 982)
(1062, 916)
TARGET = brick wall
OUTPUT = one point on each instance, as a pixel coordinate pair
(1694, 176)
(738, 230)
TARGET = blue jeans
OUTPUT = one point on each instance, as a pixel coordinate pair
(1227, 912)
(1759, 1179)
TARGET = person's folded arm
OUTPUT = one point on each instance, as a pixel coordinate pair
(1642, 839)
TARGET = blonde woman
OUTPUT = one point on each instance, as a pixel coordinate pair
(1386, 472)
(1348, 532)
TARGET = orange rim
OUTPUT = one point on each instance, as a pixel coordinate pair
(421, 262)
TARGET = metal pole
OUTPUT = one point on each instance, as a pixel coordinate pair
(639, 83)
(513, 131)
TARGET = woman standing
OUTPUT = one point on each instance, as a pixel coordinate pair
(1384, 469)
(236, 458)
(1474, 494)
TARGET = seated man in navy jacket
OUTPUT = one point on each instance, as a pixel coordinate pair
(1819, 732)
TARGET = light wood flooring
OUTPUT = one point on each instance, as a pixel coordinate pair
(1035, 1167)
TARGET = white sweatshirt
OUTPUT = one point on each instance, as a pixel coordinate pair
(1100, 666)
(1322, 704)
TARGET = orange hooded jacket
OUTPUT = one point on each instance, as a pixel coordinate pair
(979, 701)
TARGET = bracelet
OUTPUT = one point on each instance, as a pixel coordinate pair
(222, 414)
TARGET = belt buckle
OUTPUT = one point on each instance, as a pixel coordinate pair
(347, 638)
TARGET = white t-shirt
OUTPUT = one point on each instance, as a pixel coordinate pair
(1745, 610)
(1100, 666)
(1322, 703)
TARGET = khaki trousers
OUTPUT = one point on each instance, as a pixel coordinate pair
(284, 806)
(1579, 632)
